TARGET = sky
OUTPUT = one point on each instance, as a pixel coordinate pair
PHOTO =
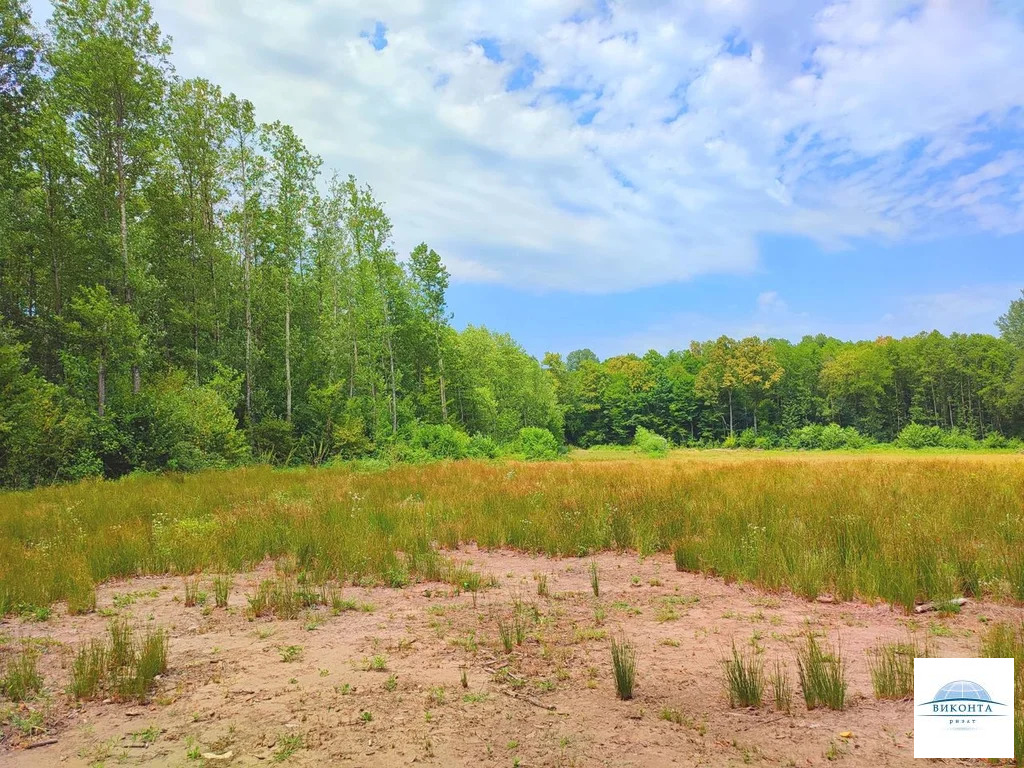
(634, 175)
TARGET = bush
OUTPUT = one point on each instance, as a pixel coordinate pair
(958, 439)
(917, 436)
(482, 447)
(441, 441)
(650, 442)
(746, 439)
(826, 438)
(272, 440)
(538, 444)
(995, 440)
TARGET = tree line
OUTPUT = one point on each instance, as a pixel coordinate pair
(182, 286)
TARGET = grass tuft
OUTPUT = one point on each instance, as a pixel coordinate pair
(744, 677)
(892, 668)
(595, 584)
(623, 667)
(822, 675)
(21, 678)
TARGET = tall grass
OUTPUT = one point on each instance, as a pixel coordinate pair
(123, 666)
(21, 678)
(623, 667)
(1006, 642)
(744, 678)
(888, 526)
(822, 675)
(892, 668)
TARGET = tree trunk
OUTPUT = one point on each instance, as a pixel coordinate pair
(101, 389)
(444, 396)
(247, 279)
(730, 414)
(287, 347)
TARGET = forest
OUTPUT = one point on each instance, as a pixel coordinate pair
(183, 287)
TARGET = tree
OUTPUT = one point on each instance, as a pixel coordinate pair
(105, 333)
(431, 278)
(1011, 324)
(110, 70)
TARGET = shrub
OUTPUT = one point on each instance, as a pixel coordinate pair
(440, 441)
(959, 439)
(650, 442)
(538, 444)
(995, 440)
(623, 667)
(482, 447)
(831, 437)
(917, 436)
(747, 439)
(272, 440)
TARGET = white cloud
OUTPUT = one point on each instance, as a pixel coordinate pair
(712, 123)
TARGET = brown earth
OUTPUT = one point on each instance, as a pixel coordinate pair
(551, 702)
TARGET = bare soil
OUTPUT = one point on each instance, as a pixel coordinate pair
(230, 698)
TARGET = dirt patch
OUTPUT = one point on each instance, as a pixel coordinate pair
(385, 688)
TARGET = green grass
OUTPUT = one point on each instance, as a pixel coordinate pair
(899, 527)
(782, 688)
(21, 678)
(744, 678)
(221, 590)
(892, 668)
(595, 584)
(822, 675)
(1005, 642)
(123, 666)
(623, 667)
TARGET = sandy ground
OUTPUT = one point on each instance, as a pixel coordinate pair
(551, 702)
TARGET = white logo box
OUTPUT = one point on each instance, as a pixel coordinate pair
(963, 708)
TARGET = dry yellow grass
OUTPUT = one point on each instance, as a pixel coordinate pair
(882, 525)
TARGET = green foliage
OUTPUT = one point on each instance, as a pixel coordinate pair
(892, 669)
(649, 442)
(830, 437)
(537, 444)
(441, 441)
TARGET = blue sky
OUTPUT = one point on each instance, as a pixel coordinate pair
(629, 175)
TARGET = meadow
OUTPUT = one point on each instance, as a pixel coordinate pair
(895, 527)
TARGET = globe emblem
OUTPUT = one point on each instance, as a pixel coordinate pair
(962, 690)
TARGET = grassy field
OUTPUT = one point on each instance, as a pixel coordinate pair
(899, 527)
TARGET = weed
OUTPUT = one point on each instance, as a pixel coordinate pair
(542, 584)
(595, 585)
(221, 590)
(88, 670)
(623, 667)
(782, 688)
(744, 676)
(191, 591)
(290, 653)
(391, 684)
(287, 745)
(822, 675)
(892, 668)
(366, 716)
(21, 678)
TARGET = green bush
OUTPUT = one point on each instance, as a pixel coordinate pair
(650, 442)
(959, 439)
(831, 437)
(537, 444)
(440, 441)
(482, 447)
(747, 438)
(272, 440)
(917, 436)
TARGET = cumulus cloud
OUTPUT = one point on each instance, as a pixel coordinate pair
(603, 145)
